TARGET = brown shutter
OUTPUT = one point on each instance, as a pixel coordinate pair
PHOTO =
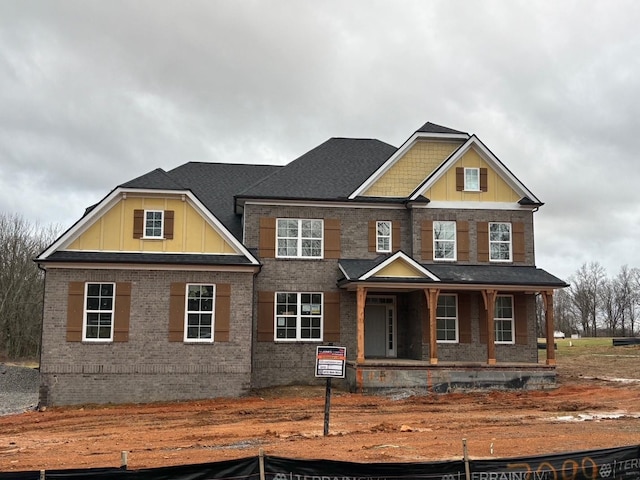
(518, 242)
(426, 239)
(521, 318)
(176, 312)
(265, 316)
(424, 312)
(459, 179)
(75, 311)
(483, 179)
(331, 238)
(138, 223)
(122, 313)
(223, 312)
(462, 239)
(331, 316)
(483, 241)
(483, 323)
(372, 236)
(395, 236)
(464, 318)
(168, 224)
(267, 240)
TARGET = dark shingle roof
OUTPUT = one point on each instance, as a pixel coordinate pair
(466, 274)
(215, 185)
(157, 179)
(147, 258)
(433, 128)
(333, 170)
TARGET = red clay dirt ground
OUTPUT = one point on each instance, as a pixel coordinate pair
(596, 405)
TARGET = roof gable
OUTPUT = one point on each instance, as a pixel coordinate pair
(398, 265)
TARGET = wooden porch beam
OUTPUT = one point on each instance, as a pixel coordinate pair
(361, 300)
(489, 297)
(431, 295)
(547, 296)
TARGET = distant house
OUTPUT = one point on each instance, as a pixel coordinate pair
(211, 279)
(558, 334)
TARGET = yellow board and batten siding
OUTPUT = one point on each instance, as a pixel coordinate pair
(422, 159)
(401, 269)
(113, 231)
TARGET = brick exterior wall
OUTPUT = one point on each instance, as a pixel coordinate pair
(147, 367)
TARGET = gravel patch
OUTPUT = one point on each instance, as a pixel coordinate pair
(18, 389)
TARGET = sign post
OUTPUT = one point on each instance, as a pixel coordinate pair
(330, 363)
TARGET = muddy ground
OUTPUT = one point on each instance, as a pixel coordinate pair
(596, 405)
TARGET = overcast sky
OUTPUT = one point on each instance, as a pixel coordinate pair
(95, 93)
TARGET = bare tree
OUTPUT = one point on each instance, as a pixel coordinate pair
(612, 304)
(564, 312)
(585, 287)
(21, 286)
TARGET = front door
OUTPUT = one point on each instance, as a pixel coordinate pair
(379, 327)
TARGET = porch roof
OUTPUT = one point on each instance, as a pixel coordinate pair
(357, 272)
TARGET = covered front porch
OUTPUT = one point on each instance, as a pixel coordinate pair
(442, 328)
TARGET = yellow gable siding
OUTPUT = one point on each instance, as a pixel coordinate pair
(411, 170)
(497, 189)
(113, 231)
(399, 268)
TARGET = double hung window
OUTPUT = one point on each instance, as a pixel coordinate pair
(298, 316)
(99, 311)
(472, 179)
(503, 319)
(500, 242)
(153, 223)
(299, 238)
(383, 236)
(444, 240)
(447, 319)
(199, 315)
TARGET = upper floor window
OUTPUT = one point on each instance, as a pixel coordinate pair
(500, 242)
(472, 179)
(298, 316)
(383, 236)
(503, 319)
(444, 240)
(447, 319)
(199, 315)
(153, 223)
(299, 238)
(99, 310)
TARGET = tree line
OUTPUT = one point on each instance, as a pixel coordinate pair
(21, 286)
(596, 304)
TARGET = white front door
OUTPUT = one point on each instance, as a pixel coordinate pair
(379, 327)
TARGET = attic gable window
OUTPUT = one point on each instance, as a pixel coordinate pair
(299, 238)
(472, 179)
(153, 223)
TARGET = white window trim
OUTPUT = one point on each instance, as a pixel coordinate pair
(455, 241)
(503, 260)
(468, 169)
(299, 255)
(512, 320)
(85, 312)
(298, 317)
(144, 226)
(378, 237)
(457, 340)
(187, 311)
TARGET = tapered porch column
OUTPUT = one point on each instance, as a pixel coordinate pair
(489, 297)
(432, 303)
(548, 315)
(361, 300)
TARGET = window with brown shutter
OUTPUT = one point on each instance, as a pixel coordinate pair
(459, 179)
(331, 317)
(176, 311)
(395, 236)
(372, 235)
(138, 223)
(426, 240)
(168, 224)
(483, 179)
(267, 238)
(265, 316)
(462, 238)
(518, 242)
(482, 238)
(75, 311)
(223, 312)
(331, 238)
(122, 312)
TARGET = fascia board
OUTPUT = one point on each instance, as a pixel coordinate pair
(112, 198)
(489, 157)
(406, 146)
(395, 257)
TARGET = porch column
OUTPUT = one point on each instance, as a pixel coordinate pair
(432, 303)
(361, 294)
(490, 307)
(548, 315)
